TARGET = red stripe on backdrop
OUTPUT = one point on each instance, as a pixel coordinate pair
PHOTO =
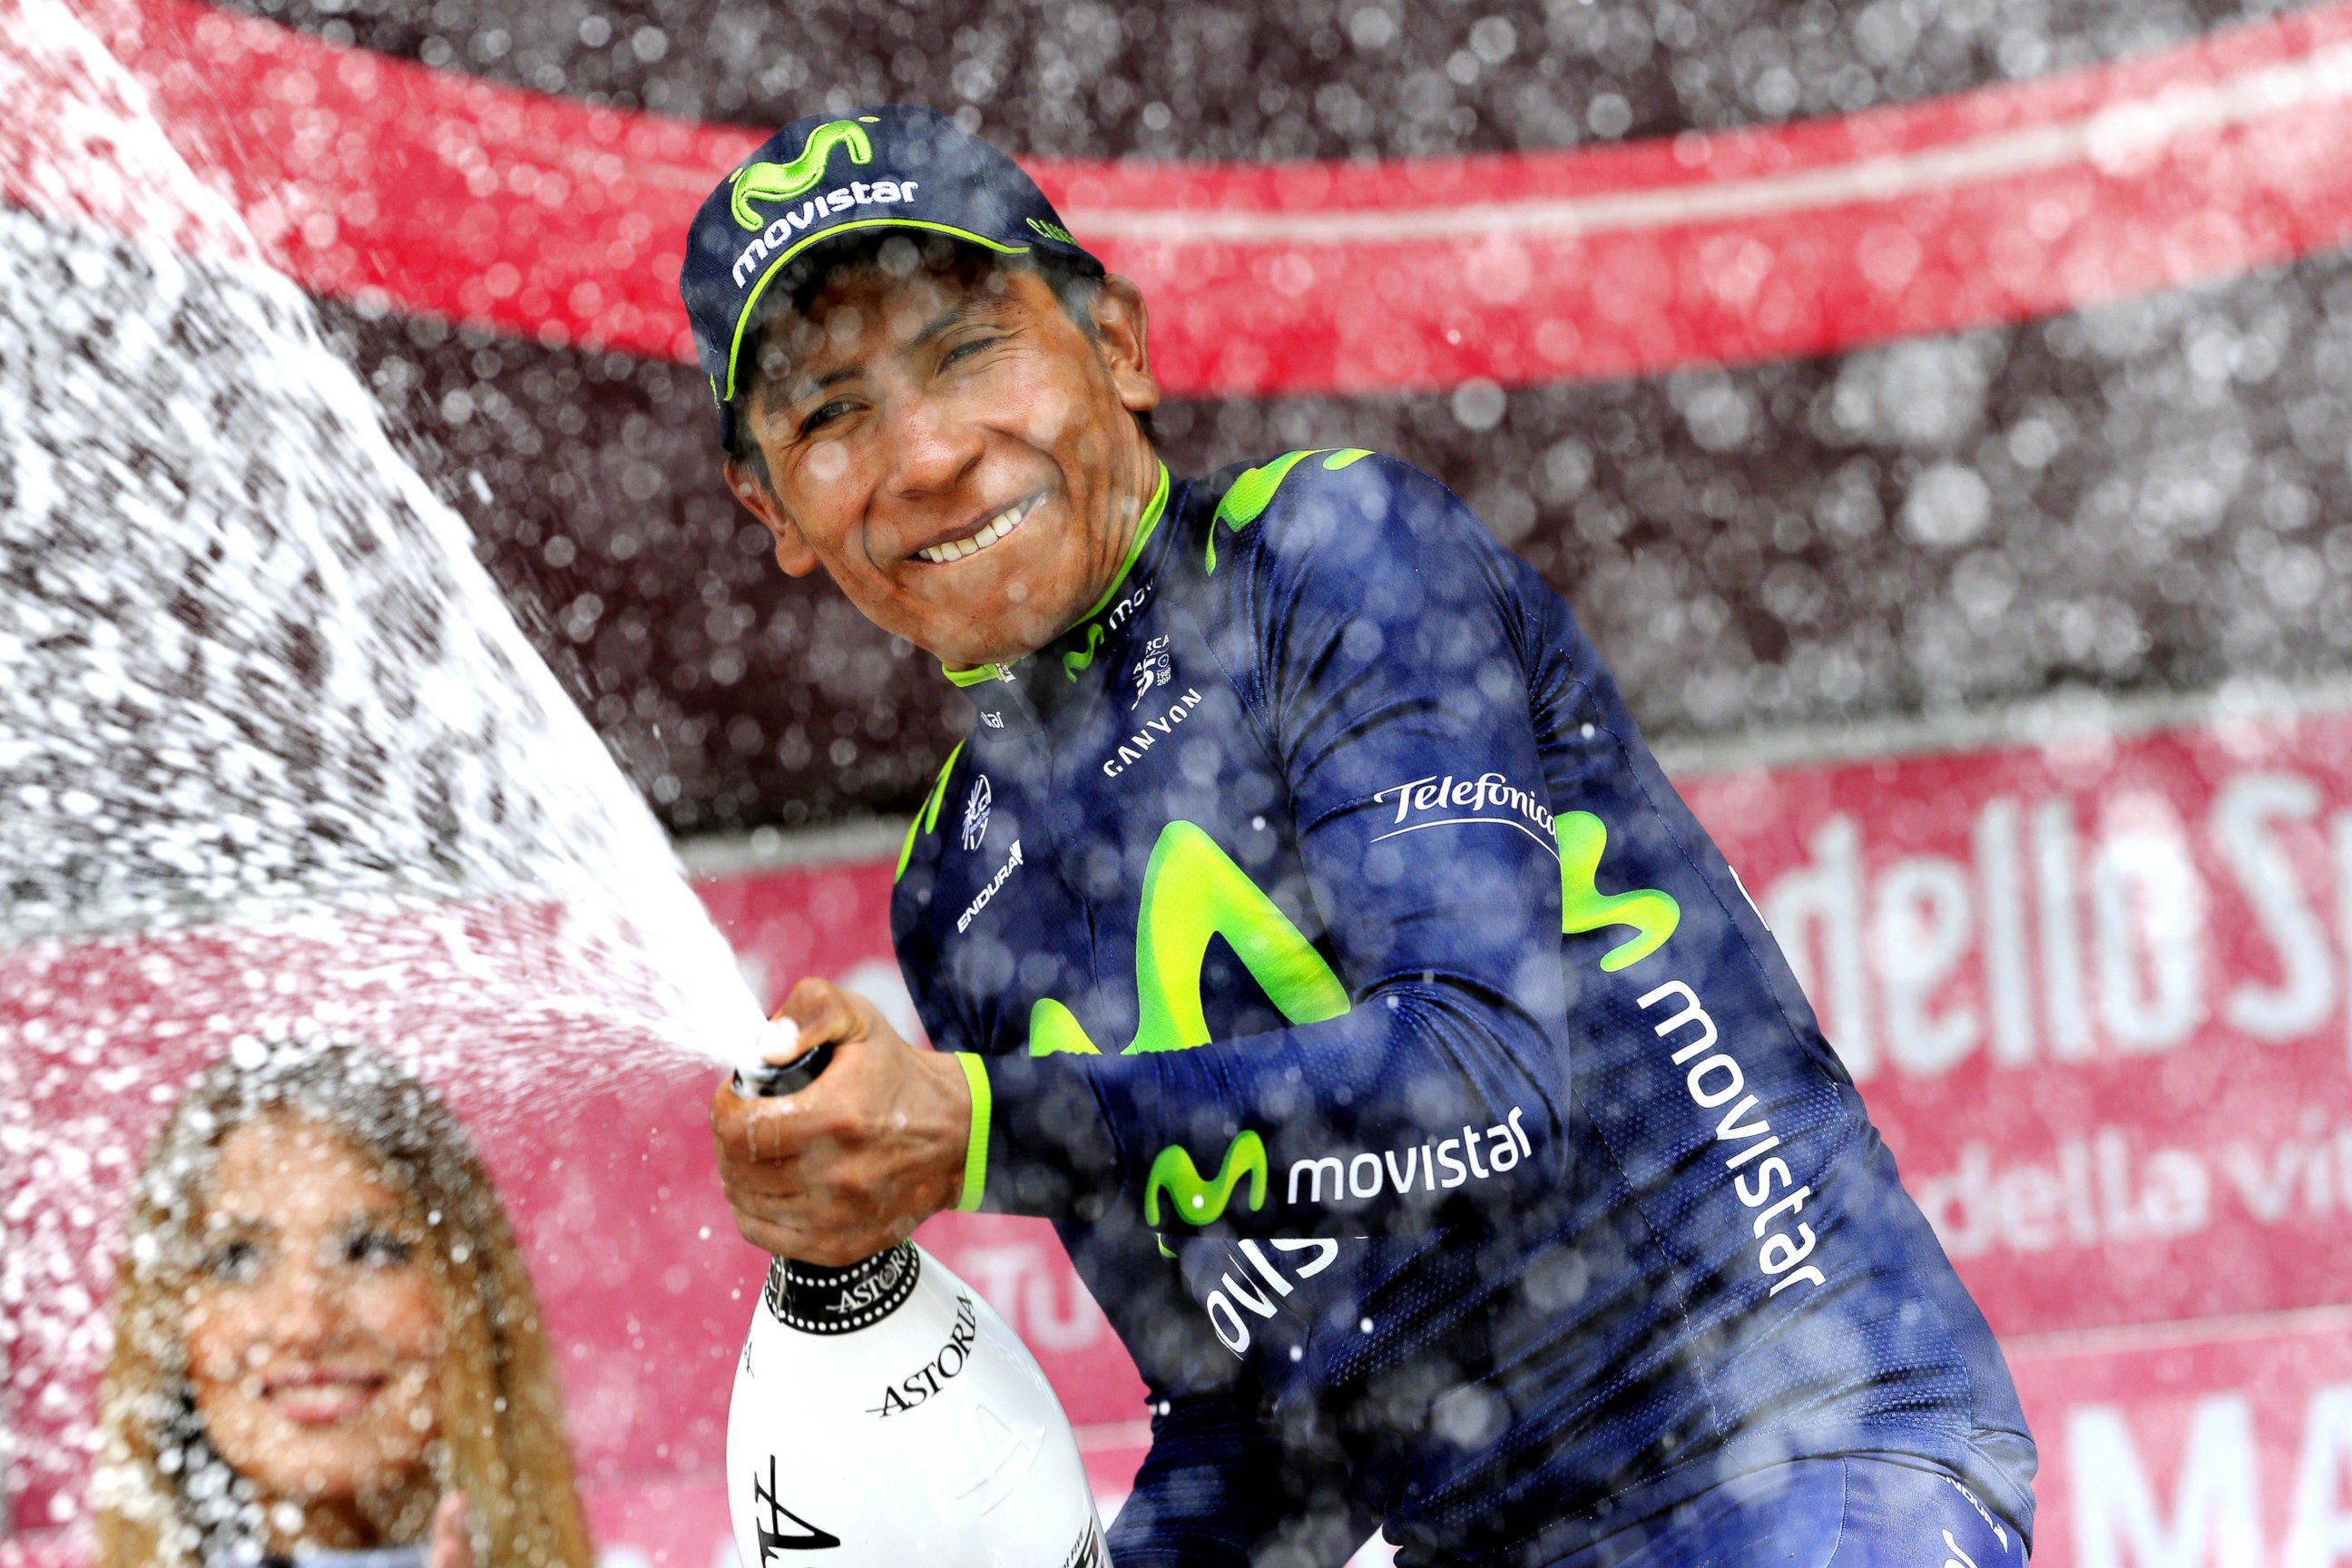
(371, 177)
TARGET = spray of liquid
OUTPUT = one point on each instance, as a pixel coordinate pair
(274, 755)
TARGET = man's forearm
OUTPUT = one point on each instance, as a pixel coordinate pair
(1421, 1102)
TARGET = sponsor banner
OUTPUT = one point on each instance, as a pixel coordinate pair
(2224, 1447)
(2094, 993)
(564, 222)
(2093, 990)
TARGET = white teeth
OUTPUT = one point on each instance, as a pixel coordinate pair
(1003, 523)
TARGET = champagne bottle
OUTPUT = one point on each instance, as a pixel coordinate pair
(883, 1416)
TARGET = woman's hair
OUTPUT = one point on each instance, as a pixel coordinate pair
(164, 1494)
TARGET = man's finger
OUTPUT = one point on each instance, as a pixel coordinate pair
(762, 1129)
(817, 1227)
(817, 1212)
(760, 1233)
(768, 1180)
(767, 1236)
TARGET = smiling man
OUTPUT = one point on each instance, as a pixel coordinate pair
(1310, 936)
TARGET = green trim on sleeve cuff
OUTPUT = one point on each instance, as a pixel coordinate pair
(975, 1149)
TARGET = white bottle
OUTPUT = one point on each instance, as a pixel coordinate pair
(885, 1417)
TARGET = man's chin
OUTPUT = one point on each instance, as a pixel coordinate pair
(1007, 642)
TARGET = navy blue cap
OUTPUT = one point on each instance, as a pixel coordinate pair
(894, 167)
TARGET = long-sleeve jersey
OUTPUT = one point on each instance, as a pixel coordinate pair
(1408, 1074)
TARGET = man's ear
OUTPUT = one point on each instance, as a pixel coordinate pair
(793, 551)
(1123, 328)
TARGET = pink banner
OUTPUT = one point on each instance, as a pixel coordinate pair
(2211, 1446)
(2095, 991)
(2095, 994)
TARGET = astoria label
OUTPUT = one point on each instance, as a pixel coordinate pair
(941, 1369)
(820, 1300)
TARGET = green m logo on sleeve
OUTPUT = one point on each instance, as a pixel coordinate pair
(1199, 1200)
(783, 182)
(1651, 915)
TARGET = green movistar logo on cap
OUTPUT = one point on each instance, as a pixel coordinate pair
(1200, 1201)
(783, 182)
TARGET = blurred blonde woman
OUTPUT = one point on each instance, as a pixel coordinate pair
(327, 1350)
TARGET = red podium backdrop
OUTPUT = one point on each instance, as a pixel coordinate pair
(2095, 988)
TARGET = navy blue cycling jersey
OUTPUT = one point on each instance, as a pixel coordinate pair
(1410, 1078)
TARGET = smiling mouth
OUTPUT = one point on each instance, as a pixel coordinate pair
(322, 1399)
(996, 528)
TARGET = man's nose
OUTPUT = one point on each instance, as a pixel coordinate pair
(930, 447)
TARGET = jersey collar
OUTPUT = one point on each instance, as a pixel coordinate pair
(1000, 690)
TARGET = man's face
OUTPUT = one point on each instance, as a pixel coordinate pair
(956, 452)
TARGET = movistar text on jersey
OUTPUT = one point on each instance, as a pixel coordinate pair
(1715, 1079)
(1368, 1176)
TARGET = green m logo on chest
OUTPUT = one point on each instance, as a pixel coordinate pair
(1652, 916)
(1193, 891)
(765, 182)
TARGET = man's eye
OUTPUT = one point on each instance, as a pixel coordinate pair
(968, 347)
(378, 1249)
(234, 1262)
(823, 415)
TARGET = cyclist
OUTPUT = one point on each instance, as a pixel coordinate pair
(1309, 934)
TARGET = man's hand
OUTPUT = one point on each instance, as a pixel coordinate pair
(855, 1161)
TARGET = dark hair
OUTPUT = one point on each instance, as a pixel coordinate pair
(1076, 285)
